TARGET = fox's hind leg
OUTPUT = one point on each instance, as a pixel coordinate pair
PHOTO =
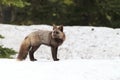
(31, 52)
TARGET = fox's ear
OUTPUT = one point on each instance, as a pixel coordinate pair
(54, 26)
(61, 28)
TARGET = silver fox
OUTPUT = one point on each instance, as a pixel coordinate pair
(33, 41)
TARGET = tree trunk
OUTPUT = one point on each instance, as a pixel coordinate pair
(6, 14)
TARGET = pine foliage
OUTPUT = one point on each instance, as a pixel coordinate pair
(67, 12)
(6, 52)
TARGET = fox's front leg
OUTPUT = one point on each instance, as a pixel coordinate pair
(54, 53)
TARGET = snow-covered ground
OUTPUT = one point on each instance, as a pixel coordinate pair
(88, 53)
(61, 70)
(81, 42)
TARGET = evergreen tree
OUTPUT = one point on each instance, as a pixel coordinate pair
(6, 52)
(67, 12)
(7, 7)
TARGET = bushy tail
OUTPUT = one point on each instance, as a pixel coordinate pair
(24, 48)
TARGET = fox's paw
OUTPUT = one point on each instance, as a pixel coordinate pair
(33, 60)
(56, 59)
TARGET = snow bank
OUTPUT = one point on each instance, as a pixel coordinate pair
(81, 42)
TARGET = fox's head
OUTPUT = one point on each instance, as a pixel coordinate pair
(58, 33)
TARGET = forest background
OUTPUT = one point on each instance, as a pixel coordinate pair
(66, 12)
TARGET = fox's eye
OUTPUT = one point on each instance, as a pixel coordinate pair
(56, 32)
